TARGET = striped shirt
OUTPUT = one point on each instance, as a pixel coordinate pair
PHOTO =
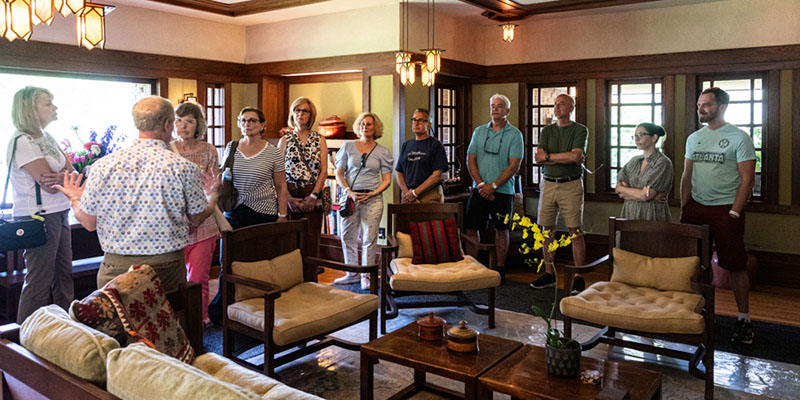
(252, 177)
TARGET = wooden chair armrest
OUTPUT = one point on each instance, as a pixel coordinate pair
(10, 332)
(580, 269)
(341, 266)
(392, 246)
(271, 290)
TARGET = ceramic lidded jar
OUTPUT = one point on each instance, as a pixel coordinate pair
(462, 339)
(431, 327)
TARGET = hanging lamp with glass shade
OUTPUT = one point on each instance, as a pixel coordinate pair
(91, 27)
(67, 7)
(508, 31)
(427, 78)
(18, 19)
(433, 56)
(43, 11)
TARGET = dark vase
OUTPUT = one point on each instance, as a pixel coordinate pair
(565, 363)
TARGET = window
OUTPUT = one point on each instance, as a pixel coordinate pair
(86, 106)
(746, 111)
(445, 128)
(540, 114)
(630, 104)
(215, 116)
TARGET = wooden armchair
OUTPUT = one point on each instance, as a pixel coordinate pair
(667, 297)
(12, 276)
(293, 309)
(399, 277)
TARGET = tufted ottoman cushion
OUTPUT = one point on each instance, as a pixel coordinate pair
(467, 274)
(637, 308)
(306, 310)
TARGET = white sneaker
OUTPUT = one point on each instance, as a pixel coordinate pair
(346, 280)
(365, 283)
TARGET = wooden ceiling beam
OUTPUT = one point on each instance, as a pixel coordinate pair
(238, 9)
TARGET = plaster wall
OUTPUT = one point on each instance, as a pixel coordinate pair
(332, 98)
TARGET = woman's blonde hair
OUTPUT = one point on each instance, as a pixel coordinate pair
(377, 122)
(195, 111)
(23, 109)
(311, 118)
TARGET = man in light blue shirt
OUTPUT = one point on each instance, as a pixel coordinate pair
(493, 158)
(718, 178)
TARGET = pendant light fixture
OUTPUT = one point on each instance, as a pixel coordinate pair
(508, 31)
(18, 20)
(91, 27)
(43, 11)
(403, 64)
(433, 56)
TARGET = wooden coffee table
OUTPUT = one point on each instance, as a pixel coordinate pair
(524, 375)
(405, 348)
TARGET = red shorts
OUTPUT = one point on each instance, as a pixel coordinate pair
(726, 232)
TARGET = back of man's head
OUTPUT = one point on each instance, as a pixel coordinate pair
(720, 96)
(150, 113)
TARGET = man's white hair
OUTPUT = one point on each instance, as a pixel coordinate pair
(501, 97)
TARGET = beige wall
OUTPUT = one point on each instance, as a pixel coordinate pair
(242, 95)
(332, 98)
(156, 32)
(480, 102)
(381, 102)
(367, 30)
(177, 87)
(417, 96)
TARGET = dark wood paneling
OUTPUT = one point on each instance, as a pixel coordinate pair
(238, 9)
(504, 10)
(229, 113)
(601, 163)
(163, 87)
(690, 123)
(376, 63)
(581, 100)
(324, 78)
(703, 62)
(365, 91)
(771, 143)
(778, 269)
(668, 104)
(796, 137)
(43, 56)
(273, 104)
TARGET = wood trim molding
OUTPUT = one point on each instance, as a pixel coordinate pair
(771, 145)
(323, 78)
(600, 134)
(668, 104)
(796, 137)
(238, 9)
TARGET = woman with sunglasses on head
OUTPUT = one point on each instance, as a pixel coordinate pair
(306, 166)
(258, 174)
(364, 171)
(190, 127)
(645, 181)
(35, 163)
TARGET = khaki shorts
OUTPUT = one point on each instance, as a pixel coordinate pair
(566, 198)
(170, 268)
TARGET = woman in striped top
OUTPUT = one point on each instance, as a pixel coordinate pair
(258, 175)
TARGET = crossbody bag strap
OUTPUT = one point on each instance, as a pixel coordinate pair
(229, 160)
(362, 165)
(8, 177)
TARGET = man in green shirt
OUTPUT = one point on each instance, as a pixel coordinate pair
(561, 152)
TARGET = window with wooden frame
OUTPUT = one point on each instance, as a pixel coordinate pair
(746, 111)
(630, 103)
(541, 100)
(215, 115)
(446, 129)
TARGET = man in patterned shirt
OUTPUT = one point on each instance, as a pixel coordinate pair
(139, 199)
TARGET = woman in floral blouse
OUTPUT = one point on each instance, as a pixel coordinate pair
(645, 181)
(190, 126)
(306, 169)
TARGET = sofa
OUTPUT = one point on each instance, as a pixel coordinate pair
(53, 356)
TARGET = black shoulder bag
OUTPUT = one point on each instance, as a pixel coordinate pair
(228, 195)
(25, 232)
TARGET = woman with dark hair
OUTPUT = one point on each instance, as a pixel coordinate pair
(645, 181)
(258, 174)
(190, 126)
(35, 164)
(306, 169)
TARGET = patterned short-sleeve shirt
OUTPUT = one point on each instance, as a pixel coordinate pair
(141, 196)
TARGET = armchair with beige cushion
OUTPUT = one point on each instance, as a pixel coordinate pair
(270, 293)
(400, 276)
(659, 287)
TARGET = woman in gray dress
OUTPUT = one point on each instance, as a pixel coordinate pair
(645, 181)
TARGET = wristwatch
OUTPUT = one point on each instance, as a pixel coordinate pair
(547, 156)
(315, 195)
(494, 186)
(281, 215)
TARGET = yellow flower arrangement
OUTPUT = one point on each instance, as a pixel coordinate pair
(534, 238)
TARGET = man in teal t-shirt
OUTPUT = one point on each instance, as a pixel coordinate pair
(718, 178)
(562, 146)
(493, 158)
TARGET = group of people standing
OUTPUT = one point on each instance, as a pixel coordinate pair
(154, 201)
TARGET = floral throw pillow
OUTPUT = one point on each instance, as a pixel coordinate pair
(435, 242)
(134, 305)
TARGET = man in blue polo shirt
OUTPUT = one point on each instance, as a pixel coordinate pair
(718, 178)
(493, 158)
(421, 164)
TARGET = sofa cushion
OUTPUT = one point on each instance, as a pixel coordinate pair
(306, 310)
(284, 271)
(79, 349)
(637, 308)
(405, 247)
(435, 241)
(654, 272)
(467, 274)
(138, 372)
(228, 371)
(139, 301)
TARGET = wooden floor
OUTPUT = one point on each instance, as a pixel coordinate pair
(767, 303)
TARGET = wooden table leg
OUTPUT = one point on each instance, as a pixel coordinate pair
(471, 389)
(419, 379)
(367, 372)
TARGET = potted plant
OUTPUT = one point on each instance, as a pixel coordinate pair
(562, 354)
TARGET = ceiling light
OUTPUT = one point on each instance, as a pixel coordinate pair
(508, 31)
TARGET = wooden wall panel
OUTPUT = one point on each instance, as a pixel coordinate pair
(273, 104)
